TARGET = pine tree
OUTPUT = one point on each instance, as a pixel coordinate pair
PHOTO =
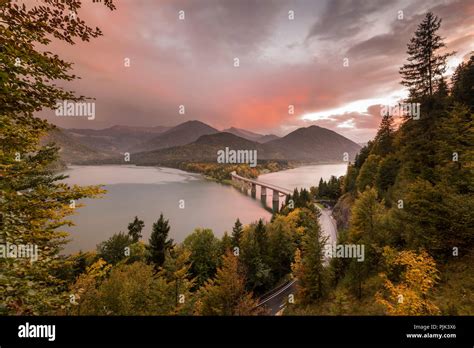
(226, 243)
(366, 228)
(260, 232)
(237, 233)
(177, 272)
(159, 243)
(383, 142)
(368, 172)
(135, 229)
(425, 67)
(309, 265)
(463, 82)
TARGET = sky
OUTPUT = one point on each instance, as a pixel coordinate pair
(330, 63)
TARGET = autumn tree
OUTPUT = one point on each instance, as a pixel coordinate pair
(416, 276)
(309, 267)
(177, 271)
(34, 200)
(131, 289)
(366, 228)
(226, 293)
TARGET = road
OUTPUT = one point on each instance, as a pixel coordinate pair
(328, 225)
(275, 301)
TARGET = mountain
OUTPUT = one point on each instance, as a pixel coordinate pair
(267, 138)
(182, 134)
(194, 141)
(315, 144)
(115, 139)
(71, 150)
(312, 144)
(250, 135)
(203, 149)
(243, 133)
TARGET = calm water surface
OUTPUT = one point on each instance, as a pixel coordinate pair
(148, 191)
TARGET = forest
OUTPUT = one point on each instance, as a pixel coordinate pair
(408, 194)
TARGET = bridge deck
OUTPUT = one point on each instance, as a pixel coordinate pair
(262, 184)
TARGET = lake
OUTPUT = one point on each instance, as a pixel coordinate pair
(148, 191)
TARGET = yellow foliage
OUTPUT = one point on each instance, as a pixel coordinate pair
(410, 295)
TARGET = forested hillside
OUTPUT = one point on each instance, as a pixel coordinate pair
(410, 192)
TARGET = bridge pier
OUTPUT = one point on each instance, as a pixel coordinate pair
(275, 201)
(246, 184)
(263, 194)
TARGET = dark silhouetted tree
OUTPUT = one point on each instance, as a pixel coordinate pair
(425, 66)
(135, 229)
(159, 242)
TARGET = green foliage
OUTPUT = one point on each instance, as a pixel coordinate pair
(329, 190)
(113, 250)
(237, 231)
(159, 243)
(383, 142)
(226, 243)
(368, 172)
(349, 181)
(226, 293)
(257, 270)
(309, 266)
(135, 229)
(205, 251)
(436, 219)
(387, 173)
(280, 247)
(34, 201)
(130, 289)
(463, 80)
(425, 67)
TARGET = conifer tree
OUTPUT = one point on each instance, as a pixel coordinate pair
(383, 142)
(135, 229)
(226, 293)
(236, 233)
(425, 66)
(309, 265)
(159, 243)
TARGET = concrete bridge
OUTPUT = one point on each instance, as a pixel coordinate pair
(252, 184)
